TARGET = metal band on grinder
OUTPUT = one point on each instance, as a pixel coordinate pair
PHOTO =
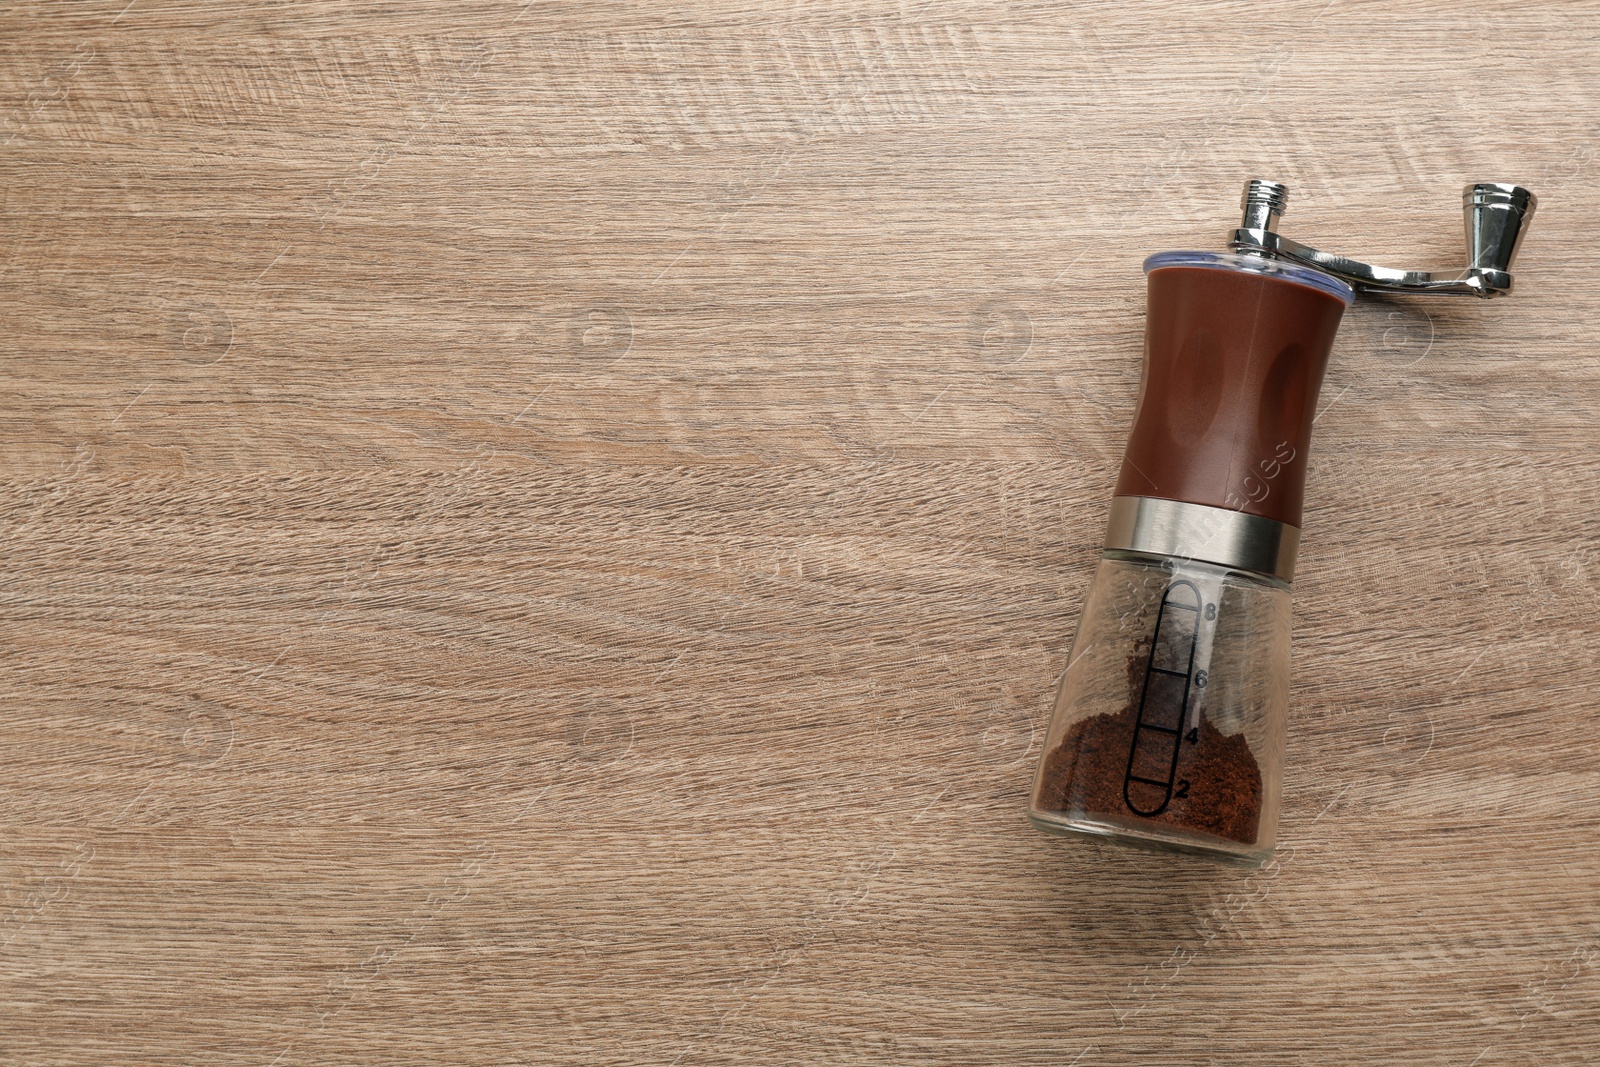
(1222, 536)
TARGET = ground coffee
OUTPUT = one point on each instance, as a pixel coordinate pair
(1218, 780)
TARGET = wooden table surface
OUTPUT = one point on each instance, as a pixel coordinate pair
(545, 533)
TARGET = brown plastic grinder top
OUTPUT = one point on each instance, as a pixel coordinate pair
(1233, 364)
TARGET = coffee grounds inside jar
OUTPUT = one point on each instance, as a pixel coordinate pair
(1217, 786)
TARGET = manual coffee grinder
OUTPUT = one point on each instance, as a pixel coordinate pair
(1169, 722)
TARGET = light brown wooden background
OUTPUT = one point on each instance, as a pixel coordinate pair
(545, 534)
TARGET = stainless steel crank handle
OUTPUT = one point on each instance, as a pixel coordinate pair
(1472, 281)
(1496, 217)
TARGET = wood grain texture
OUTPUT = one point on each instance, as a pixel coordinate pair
(544, 533)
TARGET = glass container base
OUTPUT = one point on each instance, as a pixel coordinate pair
(1169, 721)
(1205, 846)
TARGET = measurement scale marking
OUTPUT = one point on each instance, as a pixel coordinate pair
(1129, 777)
